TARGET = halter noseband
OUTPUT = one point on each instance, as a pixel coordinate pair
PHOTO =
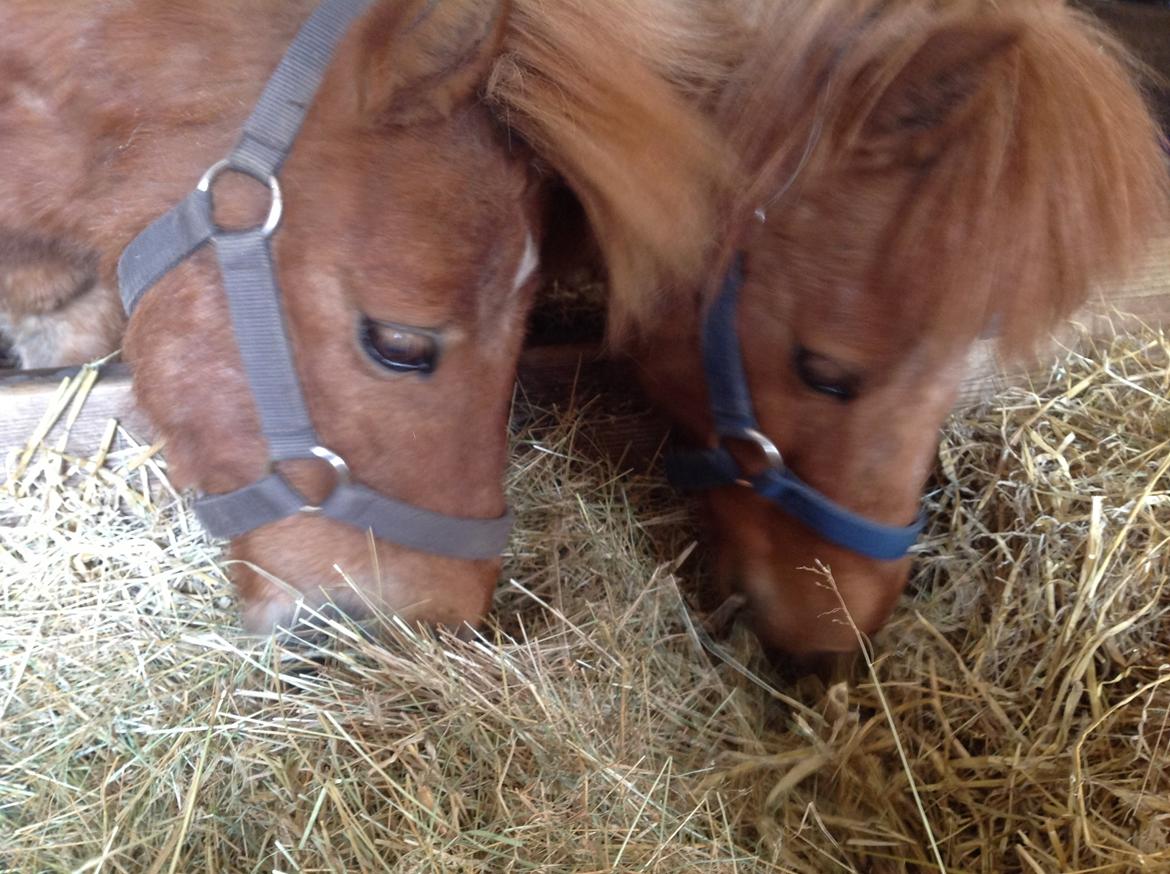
(731, 409)
(254, 300)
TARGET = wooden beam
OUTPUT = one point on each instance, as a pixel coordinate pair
(41, 402)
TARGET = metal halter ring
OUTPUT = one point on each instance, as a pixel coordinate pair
(275, 208)
(340, 471)
(771, 453)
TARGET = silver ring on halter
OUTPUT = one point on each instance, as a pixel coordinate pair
(340, 471)
(275, 208)
(767, 447)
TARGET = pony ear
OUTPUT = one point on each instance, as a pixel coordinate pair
(929, 97)
(418, 61)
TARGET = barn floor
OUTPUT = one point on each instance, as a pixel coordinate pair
(1014, 717)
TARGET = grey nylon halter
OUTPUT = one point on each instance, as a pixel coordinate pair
(253, 294)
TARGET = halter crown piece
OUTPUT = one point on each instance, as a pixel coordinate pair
(731, 409)
(254, 300)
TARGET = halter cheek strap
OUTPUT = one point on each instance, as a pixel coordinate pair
(735, 419)
(254, 301)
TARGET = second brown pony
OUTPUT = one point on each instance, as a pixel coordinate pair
(915, 175)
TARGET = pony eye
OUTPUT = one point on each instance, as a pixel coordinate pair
(826, 376)
(398, 348)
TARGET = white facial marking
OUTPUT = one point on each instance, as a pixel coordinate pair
(529, 261)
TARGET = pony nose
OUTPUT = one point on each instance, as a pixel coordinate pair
(812, 617)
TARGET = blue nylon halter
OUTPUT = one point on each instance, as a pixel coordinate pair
(735, 419)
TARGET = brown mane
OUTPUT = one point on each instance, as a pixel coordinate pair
(645, 163)
(1055, 182)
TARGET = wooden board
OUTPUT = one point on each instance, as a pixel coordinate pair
(30, 397)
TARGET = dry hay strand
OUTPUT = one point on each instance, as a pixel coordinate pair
(1022, 691)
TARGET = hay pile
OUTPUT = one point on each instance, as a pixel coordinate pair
(1016, 718)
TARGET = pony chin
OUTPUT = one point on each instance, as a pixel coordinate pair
(282, 606)
(367, 577)
(818, 625)
(791, 606)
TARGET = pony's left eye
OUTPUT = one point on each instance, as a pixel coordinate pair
(398, 348)
(823, 374)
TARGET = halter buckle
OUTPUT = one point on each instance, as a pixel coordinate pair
(275, 207)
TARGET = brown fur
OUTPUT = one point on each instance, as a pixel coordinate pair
(929, 171)
(405, 200)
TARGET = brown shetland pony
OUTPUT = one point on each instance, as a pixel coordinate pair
(409, 208)
(916, 174)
